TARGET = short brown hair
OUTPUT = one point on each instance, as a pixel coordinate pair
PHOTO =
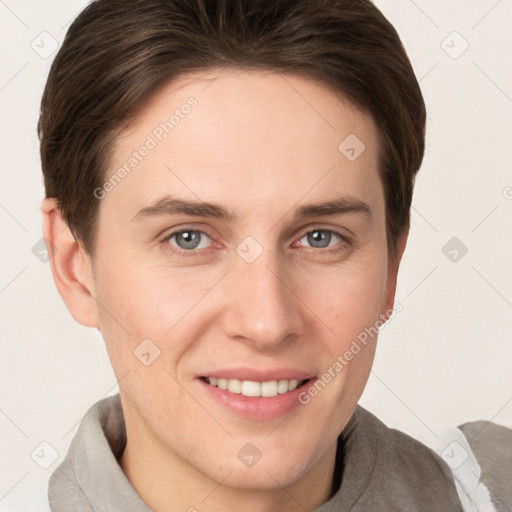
(117, 53)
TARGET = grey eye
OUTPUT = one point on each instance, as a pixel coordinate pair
(319, 238)
(189, 239)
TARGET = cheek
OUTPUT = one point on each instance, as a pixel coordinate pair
(349, 302)
(140, 301)
(346, 299)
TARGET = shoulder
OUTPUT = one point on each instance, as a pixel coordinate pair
(403, 453)
(406, 473)
(491, 445)
(475, 459)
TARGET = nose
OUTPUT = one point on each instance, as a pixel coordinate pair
(263, 309)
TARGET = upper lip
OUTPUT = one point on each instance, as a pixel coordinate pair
(259, 375)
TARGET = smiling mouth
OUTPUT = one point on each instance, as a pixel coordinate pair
(255, 389)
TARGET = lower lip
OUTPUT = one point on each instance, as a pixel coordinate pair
(257, 407)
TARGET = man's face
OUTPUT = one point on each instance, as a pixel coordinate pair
(264, 296)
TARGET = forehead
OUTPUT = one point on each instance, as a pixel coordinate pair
(247, 136)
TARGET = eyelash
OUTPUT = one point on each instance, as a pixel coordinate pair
(196, 252)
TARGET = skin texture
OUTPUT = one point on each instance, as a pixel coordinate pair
(254, 145)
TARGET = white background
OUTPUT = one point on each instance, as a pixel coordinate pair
(445, 359)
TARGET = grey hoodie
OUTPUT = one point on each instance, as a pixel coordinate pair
(377, 469)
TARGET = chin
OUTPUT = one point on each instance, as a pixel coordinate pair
(264, 477)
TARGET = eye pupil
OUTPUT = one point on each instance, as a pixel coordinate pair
(319, 236)
(187, 239)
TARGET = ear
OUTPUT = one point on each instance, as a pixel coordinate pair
(393, 265)
(71, 266)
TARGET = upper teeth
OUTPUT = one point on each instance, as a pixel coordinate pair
(251, 388)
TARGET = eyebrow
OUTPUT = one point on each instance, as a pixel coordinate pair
(169, 205)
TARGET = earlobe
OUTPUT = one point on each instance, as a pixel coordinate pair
(71, 266)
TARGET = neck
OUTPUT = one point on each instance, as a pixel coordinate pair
(165, 482)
